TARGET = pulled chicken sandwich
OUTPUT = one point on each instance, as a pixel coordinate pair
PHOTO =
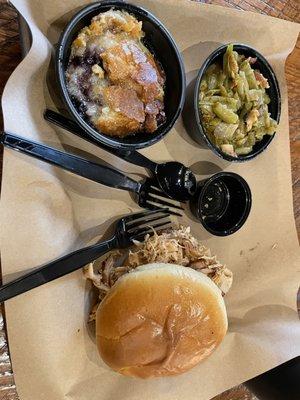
(160, 309)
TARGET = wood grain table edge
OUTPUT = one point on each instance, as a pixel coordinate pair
(10, 56)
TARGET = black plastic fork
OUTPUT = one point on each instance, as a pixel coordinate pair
(148, 193)
(129, 228)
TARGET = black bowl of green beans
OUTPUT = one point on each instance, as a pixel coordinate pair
(236, 103)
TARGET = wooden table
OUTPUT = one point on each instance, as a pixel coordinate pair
(10, 56)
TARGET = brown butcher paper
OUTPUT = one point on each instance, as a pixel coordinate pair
(47, 212)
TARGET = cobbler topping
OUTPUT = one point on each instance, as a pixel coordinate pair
(113, 79)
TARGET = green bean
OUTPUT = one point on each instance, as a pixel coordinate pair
(212, 124)
(259, 133)
(212, 81)
(229, 101)
(207, 114)
(267, 117)
(212, 92)
(221, 79)
(246, 85)
(225, 60)
(266, 99)
(206, 108)
(251, 139)
(239, 135)
(246, 67)
(255, 95)
(225, 114)
(201, 96)
(203, 85)
(233, 67)
(225, 131)
(242, 151)
(239, 103)
(241, 142)
(248, 106)
(240, 87)
(273, 126)
(223, 91)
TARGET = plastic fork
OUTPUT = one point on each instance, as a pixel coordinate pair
(149, 195)
(129, 228)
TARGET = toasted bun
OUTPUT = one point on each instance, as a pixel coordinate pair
(159, 320)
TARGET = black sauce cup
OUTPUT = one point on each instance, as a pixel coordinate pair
(161, 44)
(222, 203)
(192, 115)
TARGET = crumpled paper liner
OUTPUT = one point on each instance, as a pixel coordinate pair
(47, 212)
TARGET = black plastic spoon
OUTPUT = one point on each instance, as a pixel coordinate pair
(174, 179)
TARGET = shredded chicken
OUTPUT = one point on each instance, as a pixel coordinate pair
(251, 119)
(173, 246)
(252, 60)
(228, 149)
(262, 81)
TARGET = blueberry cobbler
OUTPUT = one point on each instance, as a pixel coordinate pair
(113, 79)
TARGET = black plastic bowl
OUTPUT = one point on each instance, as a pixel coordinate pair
(158, 40)
(196, 128)
(222, 203)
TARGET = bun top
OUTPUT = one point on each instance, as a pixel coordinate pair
(160, 320)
